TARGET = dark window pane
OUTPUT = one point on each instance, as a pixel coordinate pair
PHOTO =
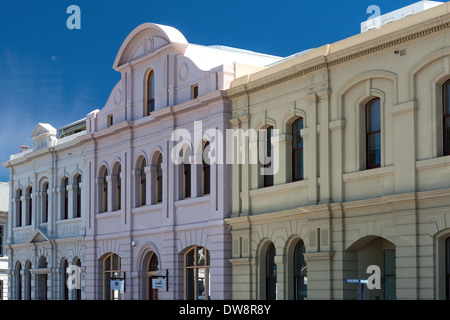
(373, 114)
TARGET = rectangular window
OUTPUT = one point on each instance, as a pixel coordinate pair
(194, 91)
(268, 177)
(110, 120)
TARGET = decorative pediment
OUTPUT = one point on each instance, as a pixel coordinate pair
(146, 39)
(43, 135)
(43, 129)
(37, 236)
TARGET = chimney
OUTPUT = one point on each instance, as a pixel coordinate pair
(23, 148)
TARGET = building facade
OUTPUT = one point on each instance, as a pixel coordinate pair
(4, 203)
(46, 226)
(360, 158)
(156, 204)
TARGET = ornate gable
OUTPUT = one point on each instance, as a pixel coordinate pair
(146, 39)
(37, 236)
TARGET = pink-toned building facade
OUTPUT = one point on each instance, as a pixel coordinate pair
(147, 217)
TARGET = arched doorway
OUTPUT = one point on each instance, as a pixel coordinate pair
(152, 269)
(363, 253)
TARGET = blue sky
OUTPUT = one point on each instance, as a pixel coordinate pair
(54, 75)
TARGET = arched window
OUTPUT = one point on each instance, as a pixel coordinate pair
(159, 179)
(143, 184)
(267, 165)
(196, 274)
(45, 202)
(77, 296)
(64, 278)
(19, 281)
(119, 188)
(297, 150)
(271, 274)
(65, 184)
(19, 208)
(373, 134)
(28, 280)
(206, 170)
(29, 205)
(186, 180)
(446, 116)
(150, 105)
(111, 270)
(103, 190)
(300, 272)
(78, 197)
(152, 268)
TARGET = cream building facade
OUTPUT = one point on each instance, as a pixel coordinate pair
(46, 226)
(361, 128)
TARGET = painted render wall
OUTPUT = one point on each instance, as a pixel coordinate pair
(339, 208)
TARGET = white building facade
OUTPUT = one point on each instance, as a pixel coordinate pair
(46, 226)
(4, 203)
(148, 218)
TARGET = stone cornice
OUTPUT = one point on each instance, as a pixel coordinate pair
(345, 53)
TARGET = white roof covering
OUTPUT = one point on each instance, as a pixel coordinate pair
(209, 57)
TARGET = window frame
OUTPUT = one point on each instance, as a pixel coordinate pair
(296, 150)
(445, 116)
(196, 267)
(150, 92)
(369, 134)
(268, 179)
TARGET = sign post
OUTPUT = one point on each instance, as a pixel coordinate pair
(358, 281)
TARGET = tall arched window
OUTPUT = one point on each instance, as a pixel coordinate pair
(143, 184)
(45, 202)
(196, 274)
(119, 188)
(65, 184)
(78, 197)
(373, 134)
(64, 278)
(111, 270)
(268, 177)
(150, 103)
(271, 274)
(159, 179)
(19, 208)
(77, 296)
(300, 272)
(103, 190)
(19, 281)
(152, 269)
(206, 170)
(28, 280)
(29, 205)
(186, 180)
(297, 150)
(446, 116)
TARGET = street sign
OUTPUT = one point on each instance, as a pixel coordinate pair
(356, 281)
(159, 284)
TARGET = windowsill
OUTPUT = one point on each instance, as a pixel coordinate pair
(193, 201)
(433, 162)
(279, 188)
(147, 208)
(368, 174)
(66, 221)
(108, 215)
